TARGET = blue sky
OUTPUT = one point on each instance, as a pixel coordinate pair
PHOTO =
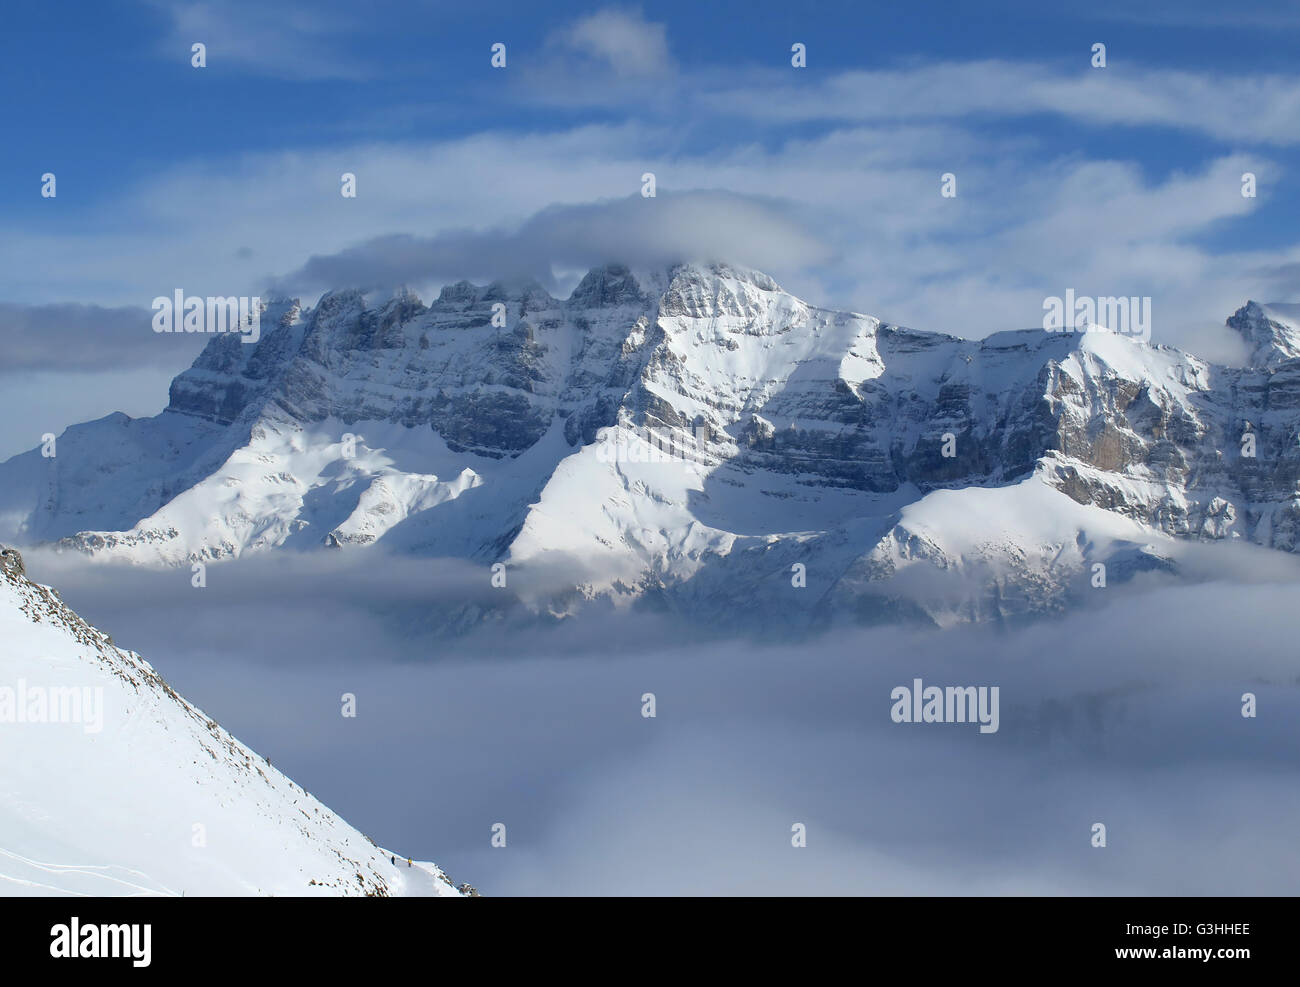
(1123, 180)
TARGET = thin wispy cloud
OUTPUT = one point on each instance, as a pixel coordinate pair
(300, 42)
(77, 337)
(1202, 102)
(622, 38)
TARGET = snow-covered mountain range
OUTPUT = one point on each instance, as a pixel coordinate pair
(685, 439)
(115, 785)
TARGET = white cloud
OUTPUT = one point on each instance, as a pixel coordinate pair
(78, 337)
(281, 40)
(1260, 108)
(623, 38)
(643, 233)
(1026, 223)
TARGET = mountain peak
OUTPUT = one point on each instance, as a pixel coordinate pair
(609, 284)
(718, 270)
(614, 283)
(462, 292)
(528, 291)
(1271, 331)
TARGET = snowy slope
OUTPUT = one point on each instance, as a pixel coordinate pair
(130, 790)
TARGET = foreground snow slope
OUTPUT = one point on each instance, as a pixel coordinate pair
(156, 799)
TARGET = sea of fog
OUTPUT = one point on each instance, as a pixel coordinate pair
(1128, 715)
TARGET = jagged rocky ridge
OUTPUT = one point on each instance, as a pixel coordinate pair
(798, 436)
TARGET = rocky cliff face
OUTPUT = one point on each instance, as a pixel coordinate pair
(685, 438)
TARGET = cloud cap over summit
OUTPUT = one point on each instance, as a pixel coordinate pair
(640, 232)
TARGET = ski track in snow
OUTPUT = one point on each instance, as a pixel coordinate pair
(86, 870)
